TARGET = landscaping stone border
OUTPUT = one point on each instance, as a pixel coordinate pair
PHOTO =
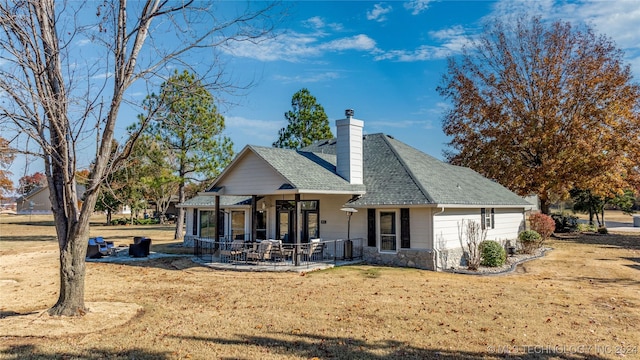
(508, 270)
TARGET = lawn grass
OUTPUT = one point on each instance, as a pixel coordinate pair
(582, 300)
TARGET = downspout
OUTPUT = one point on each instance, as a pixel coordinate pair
(436, 251)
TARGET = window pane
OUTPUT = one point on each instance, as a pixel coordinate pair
(388, 231)
(237, 225)
(261, 225)
(309, 205)
(312, 224)
(283, 224)
(207, 224)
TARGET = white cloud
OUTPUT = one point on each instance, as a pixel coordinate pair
(402, 124)
(103, 75)
(378, 12)
(318, 23)
(357, 42)
(417, 6)
(617, 20)
(294, 47)
(315, 22)
(312, 78)
(422, 53)
(83, 42)
(260, 132)
(290, 47)
(449, 42)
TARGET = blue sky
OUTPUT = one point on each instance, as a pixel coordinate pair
(385, 60)
(382, 59)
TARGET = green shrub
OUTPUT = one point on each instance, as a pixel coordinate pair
(119, 221)
(586, 228)
(149, 221)
(530, 240)
(492, 253)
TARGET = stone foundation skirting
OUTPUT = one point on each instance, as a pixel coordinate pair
(451, 258)
(420, 259)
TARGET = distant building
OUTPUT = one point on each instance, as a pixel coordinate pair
(37, 200)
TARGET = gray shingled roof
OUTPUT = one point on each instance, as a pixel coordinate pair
(307, 170)
(397, 174)
(210, 201)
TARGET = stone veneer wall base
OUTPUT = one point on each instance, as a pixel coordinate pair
(420, 259)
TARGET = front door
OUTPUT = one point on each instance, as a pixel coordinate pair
(310, 229)
(285, 226)
(310, 220)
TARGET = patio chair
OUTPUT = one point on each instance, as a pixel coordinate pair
(315, 250)
(263, 252)
(93, 249)
(234, 250)
(141, 249)
(279, 252)
(105, 246)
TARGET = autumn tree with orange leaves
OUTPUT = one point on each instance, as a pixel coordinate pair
(6, 158)
(544, 108)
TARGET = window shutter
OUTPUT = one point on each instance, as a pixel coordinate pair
(194, 230)
(483, 223)
(493, 223)
(371, 227)
(405, 229)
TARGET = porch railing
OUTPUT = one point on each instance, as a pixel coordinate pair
(251, 253)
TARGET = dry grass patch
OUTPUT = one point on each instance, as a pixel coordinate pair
(586, 292)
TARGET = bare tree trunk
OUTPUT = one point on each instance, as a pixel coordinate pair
(180, 216)
(72, 274)
(544, 205)
(36, 98)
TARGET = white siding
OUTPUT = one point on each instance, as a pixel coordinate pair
(447, 225)
(421, 224)
(251, 176)
(508, 224)
(349, 150)
(335, 226)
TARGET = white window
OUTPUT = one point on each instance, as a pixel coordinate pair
(388, 230)
(488, 218)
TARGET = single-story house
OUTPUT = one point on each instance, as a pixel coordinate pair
(37, 200)
(406, 206)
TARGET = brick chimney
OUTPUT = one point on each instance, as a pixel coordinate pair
(349, 148)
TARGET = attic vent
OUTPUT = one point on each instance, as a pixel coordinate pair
(286, 186)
